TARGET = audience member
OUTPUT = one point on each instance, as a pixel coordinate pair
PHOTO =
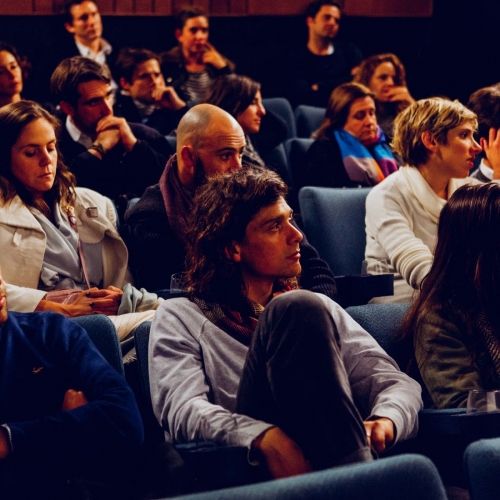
(192, 66)
(65, 413)
(60, 249)
(241, 97)
(485, 102)
(105, 152)
(291, 377)
(435, 139)
(385, 76)
(316, 69)
(455, 322)
(209, 142)
(350, 148)
(12, 73)
(144, 97)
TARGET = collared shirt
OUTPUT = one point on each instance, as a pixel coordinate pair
(100, 56)
(76, 134)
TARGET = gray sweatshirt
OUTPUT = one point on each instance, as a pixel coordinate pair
(195, 368)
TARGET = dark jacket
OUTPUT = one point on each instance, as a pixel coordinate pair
(118, 175)
(42, 355)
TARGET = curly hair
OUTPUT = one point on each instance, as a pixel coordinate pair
(223, 207)
(370, 64)
(13, 118)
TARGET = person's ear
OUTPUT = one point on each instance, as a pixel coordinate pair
(69, 28)
(429, 141)
(178, 34)
(187, 165)
(124, 84)
(233, 252)
(67, 108)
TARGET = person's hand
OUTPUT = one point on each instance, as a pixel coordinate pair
(282, 455)
(73, 399)
(168, 98)
(380, 433)
(92, 301)
(399, 94)
(4, 443)
(212, 57)
(109, 126)
(491, 148)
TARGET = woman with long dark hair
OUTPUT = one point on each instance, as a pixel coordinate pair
(455, 321)
(59, 247)
(13, 71)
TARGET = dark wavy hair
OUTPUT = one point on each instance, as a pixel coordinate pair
(339, 105)
(233, 93)
(21, 60)
(485, 102)
(465, 274)
(223, 207)
(13, 118)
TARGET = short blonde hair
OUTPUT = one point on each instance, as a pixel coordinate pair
(435, 115)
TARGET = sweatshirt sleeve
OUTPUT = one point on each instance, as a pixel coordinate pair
(179, 388)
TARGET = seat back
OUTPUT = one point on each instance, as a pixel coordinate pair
(282, 107)
(383, 323)
(408, 476)
(296, 151)
(334, 222)
(102, 332)
(308, 119)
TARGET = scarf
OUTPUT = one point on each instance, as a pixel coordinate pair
(365, 164)
(240, 324)
(177, 199)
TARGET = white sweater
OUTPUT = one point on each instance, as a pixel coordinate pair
(402, 214)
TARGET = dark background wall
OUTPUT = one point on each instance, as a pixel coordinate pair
(451, 53)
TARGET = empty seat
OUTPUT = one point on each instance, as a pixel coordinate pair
(308, 119)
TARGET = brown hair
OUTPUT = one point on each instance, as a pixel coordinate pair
(339, 104)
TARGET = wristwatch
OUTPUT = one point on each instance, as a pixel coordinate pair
(97, 146)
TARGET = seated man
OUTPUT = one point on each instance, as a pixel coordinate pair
(485, 102)
(143, 96)
(253, 362)
(65, 412)
(105, 152)
(192, 66)
(209, 141)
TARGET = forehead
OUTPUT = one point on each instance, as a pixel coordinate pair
(149, 66)
(279, 208)
(385, 67)
(38, 129)
(93, 89)
(6, 57)
(468, 125)
(83, 8)
(196, 22)
(327, 11)
(362, 103)
(223, 134)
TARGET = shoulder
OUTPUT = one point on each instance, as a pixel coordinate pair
(85, 196)
(173, 55)
(144, 132)
(150, 203)
(392, 185)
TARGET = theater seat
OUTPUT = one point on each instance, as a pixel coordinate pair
(282, 107)
(308, 119)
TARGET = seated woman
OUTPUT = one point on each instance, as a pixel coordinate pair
(59, 247)
(12, 73)
(350, 148)
(435, 139)
(240, 96)
(385, 76)
(455, 322)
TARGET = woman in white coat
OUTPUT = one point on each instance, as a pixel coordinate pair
(435, 139)
(59, 247)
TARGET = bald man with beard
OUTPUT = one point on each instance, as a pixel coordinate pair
(209, 142)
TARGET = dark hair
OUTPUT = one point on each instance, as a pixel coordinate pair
(233, 93)
(129, 58)
(22, 61)
(72, 71)
(186, 13)
(223, 207)
(67, 6)
(13, 118)
(485, 102)
(465, 273)
(339, 105)
(314, 7)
